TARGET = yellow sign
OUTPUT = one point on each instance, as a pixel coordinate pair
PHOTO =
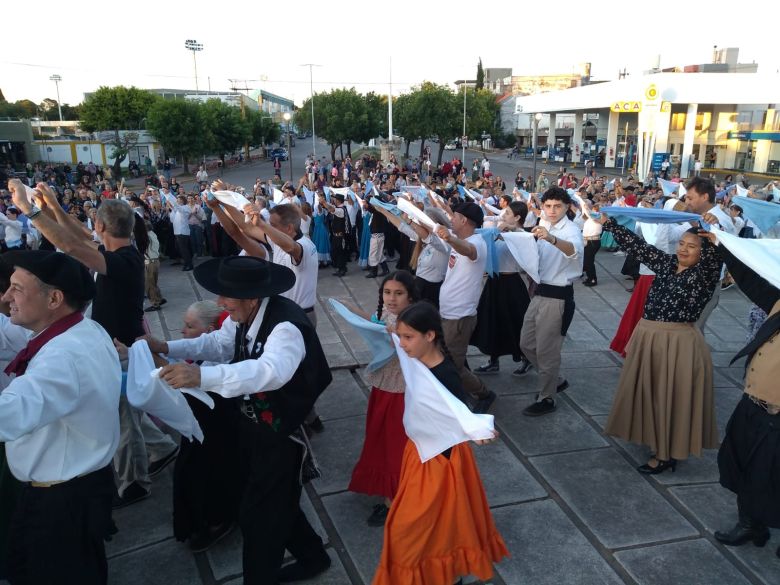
(666, 106)
(651, 92)
(626, 107)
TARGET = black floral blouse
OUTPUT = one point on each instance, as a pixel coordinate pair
(674, 297)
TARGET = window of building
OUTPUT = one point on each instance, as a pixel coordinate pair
(678, 121)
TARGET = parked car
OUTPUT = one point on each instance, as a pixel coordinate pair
(451, 145)
(280, 153)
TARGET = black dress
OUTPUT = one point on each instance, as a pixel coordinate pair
(749, 457)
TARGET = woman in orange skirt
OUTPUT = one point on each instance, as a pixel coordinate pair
(439, 527)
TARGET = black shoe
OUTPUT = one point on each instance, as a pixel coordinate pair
(297, 571)
(488, 368)
(660, 467)
(745, 530)
(378, 516)
(186, 269)
(163, 301)
(630, 289)
(385, 269)
(132, 494)
(152, 308)
(525, 367)
(562, 386)
(483, 403)
(112, 530)
(542, 407)
(155, 467)
(589, 283)
(207, 537)
(371, 273)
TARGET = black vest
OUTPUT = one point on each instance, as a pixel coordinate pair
(285, 409)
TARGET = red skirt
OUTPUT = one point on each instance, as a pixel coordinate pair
(633, 313)
(378, 470)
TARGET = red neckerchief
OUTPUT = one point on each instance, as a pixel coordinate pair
(18, 365)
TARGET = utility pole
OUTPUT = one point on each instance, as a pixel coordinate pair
(194, 46)
(56, 79)
(311, 92)
(234, 87)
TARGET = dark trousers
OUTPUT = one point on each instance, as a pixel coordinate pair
(271, 518)
(56, 535)
(630, 267)
(338, 251)
(183, 246)
(589, 261)
(351, 245)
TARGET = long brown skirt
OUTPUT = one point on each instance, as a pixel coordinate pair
(664, 397)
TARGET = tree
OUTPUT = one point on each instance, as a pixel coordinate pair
(480, 76)
(48, 109)
(112, 109)
(405, 121)
(179, 127)
(226, 129)
(481, 112)
(436, 110)
(262, 129)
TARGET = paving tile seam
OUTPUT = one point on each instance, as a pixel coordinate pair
(204, 569)
(567, 452)
(518, 502)
(653, 543)
(140, 547)
(589, 536)
(677, 505)
(334, 538)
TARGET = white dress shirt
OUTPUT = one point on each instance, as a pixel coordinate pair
(13, 338)
(13, 231)
(283, 353)
(60, 419)
(180, 218)
(555, 267)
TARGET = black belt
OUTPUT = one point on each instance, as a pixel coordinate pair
(309, 310)
(563, 293)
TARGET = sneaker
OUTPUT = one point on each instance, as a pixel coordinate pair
(132, 494)
(488, 368)
(525, 367)
(589, 283)
(155, 467)
(483, 403)
(540, 407)
(378, 516)
(207, 537)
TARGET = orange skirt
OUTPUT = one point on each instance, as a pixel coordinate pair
(439, 527)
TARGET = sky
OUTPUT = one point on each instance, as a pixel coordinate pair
(357, 44)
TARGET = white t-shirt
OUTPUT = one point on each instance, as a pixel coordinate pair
(304, 291)
(462, 286)
(432, 262)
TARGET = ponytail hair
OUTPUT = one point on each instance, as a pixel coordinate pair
(424, 317)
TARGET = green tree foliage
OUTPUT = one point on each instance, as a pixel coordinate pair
(179, 127)
(481, 112)
(112, 109)
(405, 121)
(226, 129)
(436, 109)
(24, 109)
(480, 76)
(262, 128)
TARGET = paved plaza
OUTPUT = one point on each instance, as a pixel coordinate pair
(566, 498)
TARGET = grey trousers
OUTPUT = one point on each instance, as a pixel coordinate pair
(541, 342)
(140, 441)
(457, 334)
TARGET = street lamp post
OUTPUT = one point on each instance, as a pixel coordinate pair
(463, 137)
(56, 79)
(537, 119)
(287, 116)
(194, 46)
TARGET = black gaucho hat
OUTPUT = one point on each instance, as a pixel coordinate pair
(244, 277)
(55, 269)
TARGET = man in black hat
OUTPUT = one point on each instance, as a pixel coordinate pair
(58, 417)
(340, 229)
(274, 369)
